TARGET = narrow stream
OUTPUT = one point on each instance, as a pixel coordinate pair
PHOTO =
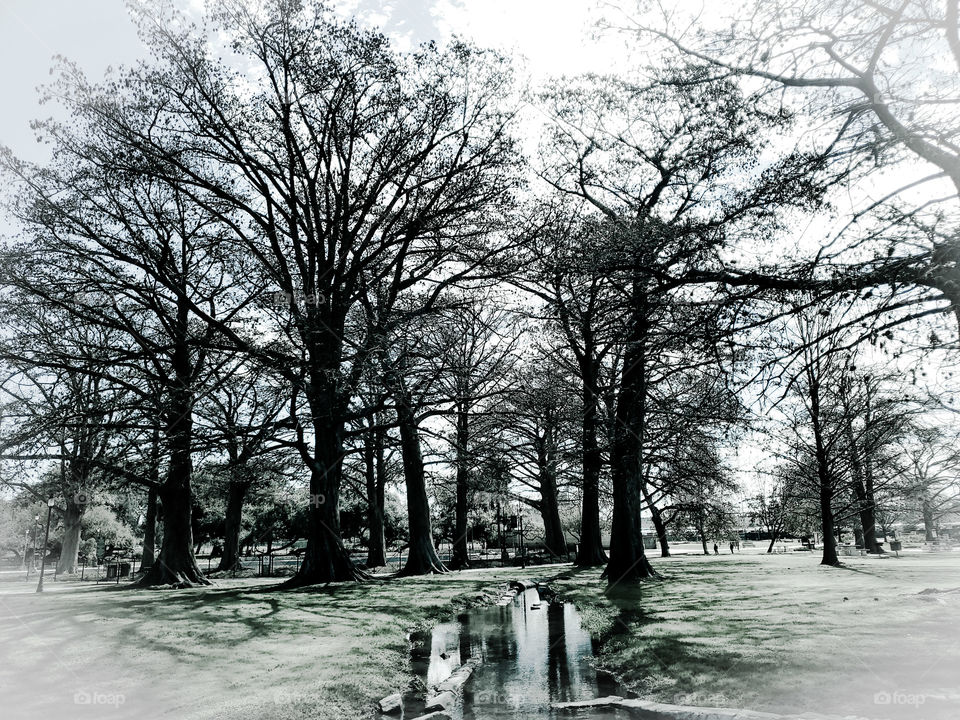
(532, 653)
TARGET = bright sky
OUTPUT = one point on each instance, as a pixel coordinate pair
(555, 37)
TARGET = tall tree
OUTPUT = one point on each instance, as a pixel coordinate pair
(667, 174)
(336, 164)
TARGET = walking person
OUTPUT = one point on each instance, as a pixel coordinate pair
(716, 549)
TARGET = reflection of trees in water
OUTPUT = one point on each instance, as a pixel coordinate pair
(529, 658)
(558, 667)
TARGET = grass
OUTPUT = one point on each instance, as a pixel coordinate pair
(782, 634)
(762, 632)
(236, 650)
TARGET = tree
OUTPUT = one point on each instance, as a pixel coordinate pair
(243, 421)
(538, 421)
(563, 267)
(666, 174)
(477, 344)
(854, 69)
(875, 419)
(343, 166)
(69, 417)
(931, 487)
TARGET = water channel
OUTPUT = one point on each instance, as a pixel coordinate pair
(532, 653)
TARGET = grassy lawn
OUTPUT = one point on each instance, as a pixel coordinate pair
(782, 634)
(762, 632)
(232, 651)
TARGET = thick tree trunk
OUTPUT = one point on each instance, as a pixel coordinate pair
(176, 564)
(628, 562)
(549, 505)
(236, 495)
(865, 505)
(590, 548)
(827, 526)
(658, 523)
(376, 479)
(72, 516)
(554, 540)
(773, 541)
(929, 528)
(460, 557)
(325, 558)
(149, 553)
(422, 556)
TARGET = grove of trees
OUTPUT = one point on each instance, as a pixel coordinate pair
(285, 281)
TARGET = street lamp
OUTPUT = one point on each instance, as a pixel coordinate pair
(46, 537)
(33, 556)
(523, 556)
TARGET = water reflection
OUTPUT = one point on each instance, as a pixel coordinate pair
(532, 653)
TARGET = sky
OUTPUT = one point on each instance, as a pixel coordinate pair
(553, 37)
(549, 37)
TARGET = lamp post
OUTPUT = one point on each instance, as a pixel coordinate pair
(523, 557)
(46, 537)
(26, 546)
(33, 556)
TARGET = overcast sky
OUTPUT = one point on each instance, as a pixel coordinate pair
(555, 37)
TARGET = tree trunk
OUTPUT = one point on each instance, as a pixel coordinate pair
(827, 526)
(149, 553)
(554, 540)
(70, 548)
(865, 504)
(928, 521)
(376, 478)
(590, 548)
(236, 494)
(868, 512)
(658, 523)
(325, 558)
(628, 561)
(549, 505)
(773, 541)
(149, 531)
(176, 564)
(422, 556)
(460, 558)
(824, 476)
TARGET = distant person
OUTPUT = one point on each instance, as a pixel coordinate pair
(716, 549)
(731, 548)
